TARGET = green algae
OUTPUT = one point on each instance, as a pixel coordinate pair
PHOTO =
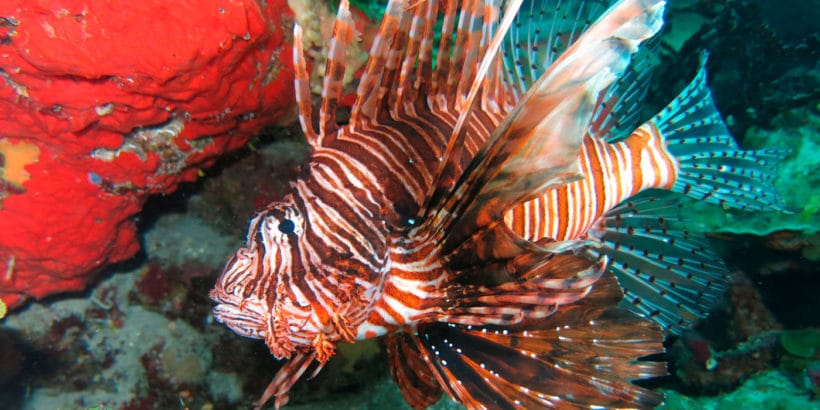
(803, 343)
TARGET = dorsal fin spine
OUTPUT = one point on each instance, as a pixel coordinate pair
(458, 56)
(343, 35)
(472, 51)
(452, 152)
(418, 28)
(445, 48)
(301, 84)
(367, 98)
(389, 86)
(425, 67)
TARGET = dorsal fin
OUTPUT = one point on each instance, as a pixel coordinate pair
(542, 31)
(344, 34)
(367, 108)
(301, 81)
(621, 108)
(532, 35)
(401, 55)
(417, 74)
(466, 99)
(537, 145)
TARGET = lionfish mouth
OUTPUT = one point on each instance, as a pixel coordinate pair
(246, 319)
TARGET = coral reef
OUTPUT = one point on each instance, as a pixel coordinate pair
(764, 56)
(745, 345)
(803, 343)
(132, 343)
(101, 107)
(769, 390)
(83, 147)
(750, 315)
(801, 359)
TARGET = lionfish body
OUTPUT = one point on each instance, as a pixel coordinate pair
(470, 207)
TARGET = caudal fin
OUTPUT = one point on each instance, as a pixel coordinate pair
(711, 166)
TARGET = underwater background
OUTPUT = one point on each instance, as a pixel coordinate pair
(142, 337)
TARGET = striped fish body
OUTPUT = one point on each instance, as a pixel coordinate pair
(469, 211)
(352, 205)
(613, 172)
(667, 273)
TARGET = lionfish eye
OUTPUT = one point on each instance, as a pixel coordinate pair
(286, 226)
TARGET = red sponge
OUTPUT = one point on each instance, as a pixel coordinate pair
(102, 106)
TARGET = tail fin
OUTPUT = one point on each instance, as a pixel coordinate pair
(711, 166)
(668, 274)
(585, 355)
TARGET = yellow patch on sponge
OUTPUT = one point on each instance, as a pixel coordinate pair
(3, 309)
(15, 155)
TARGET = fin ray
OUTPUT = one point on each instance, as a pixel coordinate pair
(621, 108)
(304, 102)
(366, 108)
(466, 98)
(534, 296)
(528, 50)
(344, 33)
(416, 381)
(537, 146)
(577, 357)
(667, 274)
(712, 167)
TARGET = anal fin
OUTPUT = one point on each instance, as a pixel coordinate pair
(667, 273)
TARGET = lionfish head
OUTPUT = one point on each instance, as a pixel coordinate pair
(254, 295)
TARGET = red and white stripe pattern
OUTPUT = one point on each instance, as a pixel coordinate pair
(366, 180)
(341, 257)
(338, 213)
(612, 173)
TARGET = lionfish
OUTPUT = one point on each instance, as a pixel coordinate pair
(483, 208)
